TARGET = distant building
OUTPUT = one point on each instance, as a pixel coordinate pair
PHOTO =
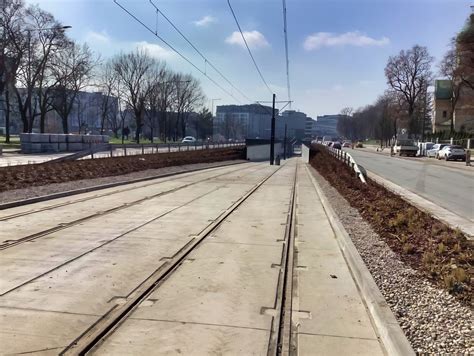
(254, 122)
(463, 115)
(326, 125)
(85, 115)
(238, 122)
(295, 122)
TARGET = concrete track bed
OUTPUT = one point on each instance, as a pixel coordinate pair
(18, 177)
(441, 255)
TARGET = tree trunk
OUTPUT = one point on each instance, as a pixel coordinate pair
(42, 121)
(7, 116)
(138, 119)
(65, 125)
(22, 111)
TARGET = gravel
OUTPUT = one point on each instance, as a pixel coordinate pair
(432, 319)
(26, 193)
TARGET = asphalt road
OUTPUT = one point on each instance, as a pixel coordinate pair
(450, 188)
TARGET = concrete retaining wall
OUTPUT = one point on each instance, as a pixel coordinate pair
(305, 153)
(39, 143)
(262, 152)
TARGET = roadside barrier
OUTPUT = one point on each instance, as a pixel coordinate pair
(347, 159)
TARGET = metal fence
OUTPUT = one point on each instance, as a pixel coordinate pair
(347, 159)
(142, 149)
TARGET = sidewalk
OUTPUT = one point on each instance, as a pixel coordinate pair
(331, 315)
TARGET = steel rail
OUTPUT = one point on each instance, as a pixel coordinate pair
(281, 329)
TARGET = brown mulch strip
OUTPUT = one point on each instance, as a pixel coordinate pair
(441, 254)
(17, 177)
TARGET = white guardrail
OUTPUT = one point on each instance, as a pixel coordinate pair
(347, 159)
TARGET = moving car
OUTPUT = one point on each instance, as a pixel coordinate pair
(405, 147)
(188, 139)
(433, 152)
(336, 145)
(452, 152)
(347, 144)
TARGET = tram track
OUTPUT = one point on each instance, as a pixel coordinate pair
(280, 341)
(105, 186)
(11, 243)
(98, 332)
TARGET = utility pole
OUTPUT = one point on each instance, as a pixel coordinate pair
(284, 144)
(272, 137)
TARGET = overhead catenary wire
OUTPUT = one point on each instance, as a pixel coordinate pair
(248, 48)
(285, 31)
(176, 51)
(207, 62)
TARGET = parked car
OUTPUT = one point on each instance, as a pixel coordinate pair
(405, 147)
(336, 145)
(424, 147)
(188, 139)
(433, 152)
(452, 152)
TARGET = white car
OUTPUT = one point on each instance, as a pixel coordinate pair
(452, 152)
(433, 152)
(188, 139)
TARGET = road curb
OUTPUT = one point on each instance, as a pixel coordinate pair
(452, 220)
(67, 193)
(390, 332)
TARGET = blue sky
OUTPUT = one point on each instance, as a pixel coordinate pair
(338, 48)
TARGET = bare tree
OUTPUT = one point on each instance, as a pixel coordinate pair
(189, 96)
(72, 68)
(108, 102)
(155, 97)
(408, 73)
(13, 47)
(134, 71)
(43, 37)
(166, 100)
(465, 53)
(347, 111)
(448, 68)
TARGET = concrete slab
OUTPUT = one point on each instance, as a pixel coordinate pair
(336, 319)
(77, 272)
(230, 283)
(325, 345)
(139, 337)
(24, 330)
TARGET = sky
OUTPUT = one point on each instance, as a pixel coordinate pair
(338, 49)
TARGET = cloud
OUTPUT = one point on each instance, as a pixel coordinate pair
(154, 50)
(328, 39)
(254, 39)
(205, 21)
(97, 37)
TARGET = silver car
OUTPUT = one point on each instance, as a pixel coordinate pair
(433, 152)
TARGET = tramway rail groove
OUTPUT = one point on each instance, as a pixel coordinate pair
(280, 342)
